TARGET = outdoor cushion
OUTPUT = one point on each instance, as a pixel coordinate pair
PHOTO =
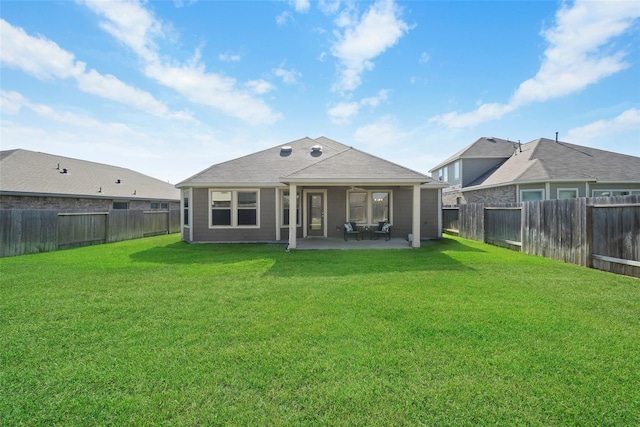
(347, 227)
(385, 228)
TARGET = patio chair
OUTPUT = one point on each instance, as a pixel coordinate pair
(351, 229)
(384, 228)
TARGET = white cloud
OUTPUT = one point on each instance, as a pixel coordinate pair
(384, 132)
(259, 86)
(301, 6)
(374, 101)
(44, 59)
(13, 101)
(379, 28)
(138, 29)
(283, 18)
(345, 111)
(37, 56)
(424, 58)
(579, 54)
(629, 120)
(229, 57)
(289, 77)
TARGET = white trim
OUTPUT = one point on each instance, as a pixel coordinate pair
(188, 193)
(439, 213)
(547, 191)
(369, 205)
(278, 192)
(304, 213)
(280, 207)
(292, 226)
(234, 208)
(415, 227)
(558, 190)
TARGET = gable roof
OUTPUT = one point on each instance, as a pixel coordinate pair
(332, 163)
(483, 148)
(547, 160)
(30, 173)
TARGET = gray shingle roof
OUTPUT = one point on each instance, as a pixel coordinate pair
(335, 162)
(485, 147)
(27, 172)
(546, 160)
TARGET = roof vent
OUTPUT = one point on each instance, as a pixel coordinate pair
(285, 150)
(316, 148)
(118, 181)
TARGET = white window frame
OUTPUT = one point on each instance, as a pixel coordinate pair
(298, 205)
(369, 205)
(575, 190)
(185, 210)
(532, 190)
(456, 170)
(234, 207)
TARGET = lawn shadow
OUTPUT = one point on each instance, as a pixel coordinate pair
(432, 256)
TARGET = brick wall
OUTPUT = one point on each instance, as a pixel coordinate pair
(70, 203)
(506, 194)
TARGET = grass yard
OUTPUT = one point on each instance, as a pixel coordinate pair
(159, 332)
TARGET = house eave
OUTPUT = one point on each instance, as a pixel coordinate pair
(83, 196)
(538, 181)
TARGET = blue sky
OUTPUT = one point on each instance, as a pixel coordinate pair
(169, 88)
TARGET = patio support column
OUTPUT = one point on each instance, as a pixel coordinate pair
(293, 208)
(416, 216)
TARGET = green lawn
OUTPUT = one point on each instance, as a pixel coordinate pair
(158, 332)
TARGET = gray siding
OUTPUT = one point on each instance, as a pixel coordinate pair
(429, 213)
(202, 232)
(336, 215)
(472, 169)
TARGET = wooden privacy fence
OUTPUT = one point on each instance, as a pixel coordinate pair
(602, 233)
(37, 230)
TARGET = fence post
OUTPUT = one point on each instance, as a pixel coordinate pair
(589, 236)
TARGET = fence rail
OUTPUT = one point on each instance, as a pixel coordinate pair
(37, 230)
(602, 233)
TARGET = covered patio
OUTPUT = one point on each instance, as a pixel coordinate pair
(315, 243)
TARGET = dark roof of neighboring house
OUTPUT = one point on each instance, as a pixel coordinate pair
(483, 148)
(24, 172)
(547, 160)
(333, 162)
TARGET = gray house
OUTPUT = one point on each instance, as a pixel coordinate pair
(307, 188)
(33, 180)
(493, 170)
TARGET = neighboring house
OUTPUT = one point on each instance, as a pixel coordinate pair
(493, 170)
(307, 188)
(33, 180)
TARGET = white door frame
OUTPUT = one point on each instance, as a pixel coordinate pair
(305, 207)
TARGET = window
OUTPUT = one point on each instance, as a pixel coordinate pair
(445, 174)
(531, 195)
(567, 193)
(379, 207)
(357, 207)
(185, 208)
(247, 207)
(164, 206)
(234, 208)
(155, 205)
(369, 207)
(286, 203)
(456, 170)
(120, 205)
(610, 193)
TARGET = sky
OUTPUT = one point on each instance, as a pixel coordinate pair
(169, 88)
